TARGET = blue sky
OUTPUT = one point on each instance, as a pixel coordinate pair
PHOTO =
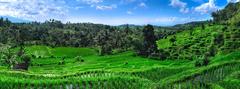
(113, 12)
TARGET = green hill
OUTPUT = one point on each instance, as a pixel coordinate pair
(207, 40)
(211, 41)
(206, 55)
(229, 15)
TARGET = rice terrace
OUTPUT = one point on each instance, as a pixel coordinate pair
(119, 44)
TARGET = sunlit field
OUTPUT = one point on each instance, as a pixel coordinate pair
(119, 44)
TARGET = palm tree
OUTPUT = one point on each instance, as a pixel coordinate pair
(7, 56)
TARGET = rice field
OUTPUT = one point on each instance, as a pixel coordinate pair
(119, 71)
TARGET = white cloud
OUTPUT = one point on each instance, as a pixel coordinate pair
(207, 7)
(98, 4)
(78, 7)
(129, 12)
(38, 10)
(90, 1)
(184, 10)
(103, 7)
(233, 1)
(142, 4)
(180, 4)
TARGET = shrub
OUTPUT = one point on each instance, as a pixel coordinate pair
(39, 56)
(52, 56)
(202, 61)
(212, 51)
(218, 39)
(26, 59)
(34, 56)
(198, 63)
(26, 63)
(173, 40)
(79, 58)
(126, 63)
(61, 62)
(82, 60)
(205, 61)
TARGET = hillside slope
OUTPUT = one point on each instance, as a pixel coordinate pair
(200, 42)
(208, 40)
(229, 15)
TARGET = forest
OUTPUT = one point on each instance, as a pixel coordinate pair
(57, 55)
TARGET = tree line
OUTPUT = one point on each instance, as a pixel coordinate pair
(104, 37)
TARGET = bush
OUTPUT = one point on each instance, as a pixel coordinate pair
(159, 55)
(34, 56)
(203, 61)
(52, 56)
(26, 59)
(61, 62)
(24, 65)
(198, 63)
(212, 51)
(173, 40)
(82, 60)
(79, 58)
(105, 50)
(218, 39)
(39, 57)
(126, 63)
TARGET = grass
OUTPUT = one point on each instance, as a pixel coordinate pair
(68, 67)
(57, 52)
(190, 36)
(196, 43)
(126, 62)
(123, 70)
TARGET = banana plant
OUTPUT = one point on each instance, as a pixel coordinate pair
(8, 56)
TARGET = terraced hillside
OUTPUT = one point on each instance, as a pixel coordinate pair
(83, 68)
(201, 42)
(119, 71)
(221, 36)
(204, 57)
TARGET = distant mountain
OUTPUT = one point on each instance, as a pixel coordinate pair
(16, 20)
(189, 25)
(130, 26)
